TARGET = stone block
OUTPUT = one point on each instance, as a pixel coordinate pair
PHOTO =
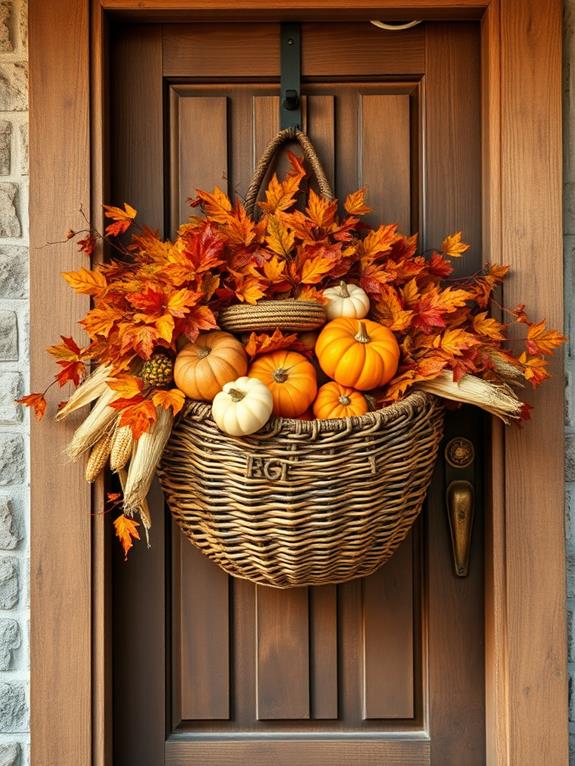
(570, 457)
(23, 137)
(12, 459)
(13, 86)
(23, 23)
(8, 336)
(10, 390)
(569, 269)
(6, 42)
(13, 707)
(5, 147)
(10, 534)
(9, 221)
(13, 271)
(9, 583)
(10, 753)
(10, 641)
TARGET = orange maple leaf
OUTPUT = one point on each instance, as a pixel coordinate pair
(454, 341)
(126, 531)
(216, 205)
(250, 290)
(543, 341)
(36, 401)
(534, 369)
(488, 327)
(453, 246)
(280, 238)
(264, 343)
(122, 218)
(321, 210)
(71, 371)
(127, 386)
(173, 399)
(86, 281)
(355, 203)
(68, 350)
(138, 413)
(315, 269)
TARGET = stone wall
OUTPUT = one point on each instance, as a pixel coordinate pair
(14, 613)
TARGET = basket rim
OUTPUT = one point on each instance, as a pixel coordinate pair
(413, 401)
(277, 304)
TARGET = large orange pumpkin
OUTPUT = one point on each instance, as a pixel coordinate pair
(336, 401)
(290, 378)
(357, 353)
(203, 368)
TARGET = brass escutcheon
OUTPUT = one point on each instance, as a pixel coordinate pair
(459, 452)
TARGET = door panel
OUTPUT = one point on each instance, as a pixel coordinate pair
(391, 663)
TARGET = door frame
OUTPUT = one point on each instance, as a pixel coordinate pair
(525, 620)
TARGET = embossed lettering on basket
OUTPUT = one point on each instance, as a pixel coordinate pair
(272, 469)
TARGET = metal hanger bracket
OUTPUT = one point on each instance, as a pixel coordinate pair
(290, 62)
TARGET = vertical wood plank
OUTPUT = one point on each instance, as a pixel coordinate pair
(453, 153)
(204, 667)
(199, 149)
(385, 157)
(60, 577)
(282, 654)
(323, 652)
(388, 671)
(531, 209)
(137, 176)
(321, 129)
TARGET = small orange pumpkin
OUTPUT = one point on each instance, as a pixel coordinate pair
(290, 378)
(360, 354)
(203, 368)
(336, 401)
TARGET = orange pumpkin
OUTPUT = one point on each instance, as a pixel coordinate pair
(203, 368)
(290, 378)
(360, 354)
(336, 401)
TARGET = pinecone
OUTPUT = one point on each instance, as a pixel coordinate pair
(158, 371)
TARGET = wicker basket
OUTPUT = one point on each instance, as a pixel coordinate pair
(288, 314)
(302, 502)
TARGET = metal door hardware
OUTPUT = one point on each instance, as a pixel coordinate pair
(460, 499)
(290, 61)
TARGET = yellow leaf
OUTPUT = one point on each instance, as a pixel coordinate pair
(320, 209)
(85, 281)
(410, 292)
(165, 327)
(488, 327)
(314, 269)
(274, 269)
(126, 531)
(174, 399)
(280, 238)
(453, 246)
(250, 290)
(127, 386)
(355, 203)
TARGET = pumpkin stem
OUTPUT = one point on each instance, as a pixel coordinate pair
(280, 375)
(345, 400)
(236, 395)
(343, 291)
(362, 336)
(203, 352)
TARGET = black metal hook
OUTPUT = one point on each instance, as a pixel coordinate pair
(290, 98)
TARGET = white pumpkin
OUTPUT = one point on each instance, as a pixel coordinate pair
(346, 300)
(242, 407)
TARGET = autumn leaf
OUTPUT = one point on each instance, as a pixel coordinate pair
(100, 321)
(488, 327)
(126, 530)
(264, 343)
(355, 203)
(274, 270)
(165, 327)
(126, 386)
(321, 210)
(87, 282)
(71, 372)
(378, 242)
(68, 349)
(309, 293)
(454, 342)
(138, 413)
(122, 218)
(139, 338)
(314, 269)
(453, 246)
(281, 195)
(87, 245)
(280, 239)
(534, 369)
(217, 205)
(173, 399)
(410, 293)
(250, 290)
(36, 402)
(439, 266)
(543, 341)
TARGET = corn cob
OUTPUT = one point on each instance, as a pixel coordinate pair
(94, 427)
(122, 444)
(144, 508)
(98, 457)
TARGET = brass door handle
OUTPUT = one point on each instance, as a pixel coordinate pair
(460, 510)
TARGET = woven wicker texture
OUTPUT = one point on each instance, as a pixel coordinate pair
(288, 314)
(302, 502)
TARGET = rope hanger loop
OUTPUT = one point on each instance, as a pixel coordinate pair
(399, 27)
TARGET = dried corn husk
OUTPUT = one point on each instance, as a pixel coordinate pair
(498, 399)
(99, 421)
(122, 444)
(147, 453)
(93, 387)
(98, 457)
(144, 509)
(511, 373)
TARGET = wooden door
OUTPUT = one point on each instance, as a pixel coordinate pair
(212, 670)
